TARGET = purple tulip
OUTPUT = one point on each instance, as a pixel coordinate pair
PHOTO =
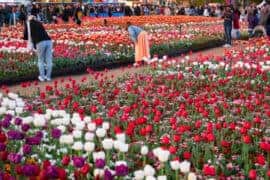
(18, 121)
(78, 162)
(8, 117)
(108, 175)
(15, 135)
(5, 124)
(25, 127)
(100, 163)
(121, 170)
(27, 149)
(2, 147)
(51, 172)
(14, 158)
(56, 133)
(39, 134)
(30, 170)
(33, 140)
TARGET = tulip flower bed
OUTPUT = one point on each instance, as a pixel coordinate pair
(198, 118)
(97, 46)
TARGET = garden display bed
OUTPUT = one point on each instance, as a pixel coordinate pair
(94, 46)
(196, 118)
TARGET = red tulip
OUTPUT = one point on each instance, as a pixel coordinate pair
(46, 164)
(165, 140)
(176, 138)
(65, 160)
(3, 137)
(246, 139)
(172, 149)
(260, 159)
(62, 174)
(187, 155)
(209, 170)
(252, 174)
(85, 169)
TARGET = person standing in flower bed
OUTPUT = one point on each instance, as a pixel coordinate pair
(228, 18)
(39, 39)
(140, 38)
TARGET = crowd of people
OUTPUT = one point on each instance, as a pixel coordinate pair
(49, 13)
(258, 19)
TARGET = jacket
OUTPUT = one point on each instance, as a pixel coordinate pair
(38, 32)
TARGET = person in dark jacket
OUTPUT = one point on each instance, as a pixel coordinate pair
(65, 15)
(228, 18)
(252, 21)
(35, 10)
(36, 34)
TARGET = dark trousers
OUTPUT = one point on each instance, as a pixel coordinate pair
(228, 32)
(268, 30)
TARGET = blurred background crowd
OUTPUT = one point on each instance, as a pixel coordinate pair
(253, 14)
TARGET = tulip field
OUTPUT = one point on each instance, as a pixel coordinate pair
(96, 46)
(203, 117)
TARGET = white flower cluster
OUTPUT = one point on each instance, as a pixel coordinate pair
(12, 104)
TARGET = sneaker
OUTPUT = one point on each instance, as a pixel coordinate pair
(226, 45)
(41, 79)
(48, 79)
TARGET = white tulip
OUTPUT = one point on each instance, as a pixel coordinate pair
(3, 110)
(89, 147)
(139, 175)
(150, 178)
(13, 95)
(123, 147)
(20, 103)
(156, 151)
(98, 155)
(12, 104)
(75, 118)
(39, 120)
(118, 163)
(62, 128)
(149, 170)
(107, 144)
(27, 120)
(89, 136)
(77, 134)
(66, 139)
(66, 120)
(18, 110)
(87, 119)
(144, 150)
(77, 146)
(91, 126)
(164, 156)
(192, 176)
(98, 172)
(11, 112)
(80, 125)
(185, 167)
(162, 178)
(116, 144)
(121, 137)
(105, 125)
(175, 165)
(100, 132)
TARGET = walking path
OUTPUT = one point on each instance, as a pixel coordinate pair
(30, 88)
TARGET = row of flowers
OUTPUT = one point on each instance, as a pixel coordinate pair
(203, 117)
(89, 46)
